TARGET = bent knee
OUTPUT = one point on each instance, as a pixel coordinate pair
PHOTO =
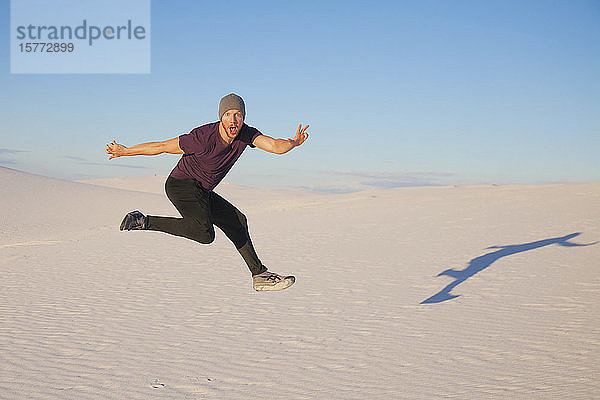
(204, 237)
(242, 218)
(200, 233)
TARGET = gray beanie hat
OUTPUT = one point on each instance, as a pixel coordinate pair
(231, 102)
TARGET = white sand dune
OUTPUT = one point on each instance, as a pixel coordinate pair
(88, 312)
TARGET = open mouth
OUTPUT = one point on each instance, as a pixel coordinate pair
(232, 129)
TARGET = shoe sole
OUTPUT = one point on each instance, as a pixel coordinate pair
(122, 227)
(283, 284)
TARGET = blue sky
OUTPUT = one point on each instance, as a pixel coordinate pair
(396, 93)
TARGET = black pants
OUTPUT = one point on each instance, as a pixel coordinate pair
(201, 210)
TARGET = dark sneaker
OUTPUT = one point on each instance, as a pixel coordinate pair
(135, 220)
(271, 281)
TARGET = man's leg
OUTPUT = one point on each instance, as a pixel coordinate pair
(193, 203)
(235, 226)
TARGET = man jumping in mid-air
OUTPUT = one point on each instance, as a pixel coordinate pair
(209, 152)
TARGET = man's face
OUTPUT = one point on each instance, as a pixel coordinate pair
(232, 122)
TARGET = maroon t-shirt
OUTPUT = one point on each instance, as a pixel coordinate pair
(207, 157)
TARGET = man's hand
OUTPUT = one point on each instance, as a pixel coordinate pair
(300, 137)
(281, 146)
(115, 150)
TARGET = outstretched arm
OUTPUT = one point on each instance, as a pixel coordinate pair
(145, 149)
(281, 146)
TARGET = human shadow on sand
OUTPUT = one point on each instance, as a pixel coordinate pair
(482, 262)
